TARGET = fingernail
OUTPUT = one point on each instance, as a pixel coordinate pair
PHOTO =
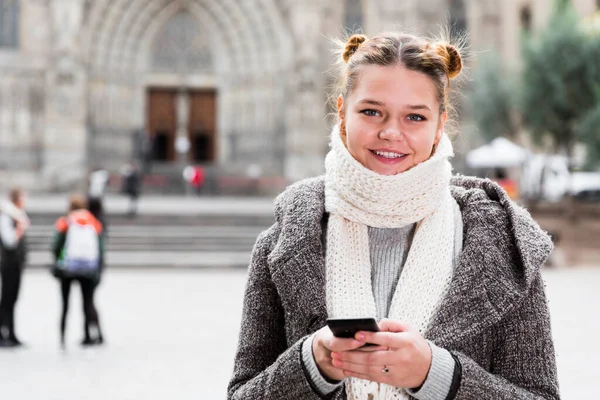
(360, 336)
(335, 355)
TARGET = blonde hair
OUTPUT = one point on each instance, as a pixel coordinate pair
(439, 60)
(77, 202)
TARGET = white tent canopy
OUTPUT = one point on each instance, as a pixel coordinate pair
(500, 152)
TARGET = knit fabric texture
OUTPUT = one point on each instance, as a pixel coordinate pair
(357, 198)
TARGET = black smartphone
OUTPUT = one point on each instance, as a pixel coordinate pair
(347, 327)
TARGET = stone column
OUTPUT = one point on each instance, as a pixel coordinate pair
(66, 87)
(306, 131)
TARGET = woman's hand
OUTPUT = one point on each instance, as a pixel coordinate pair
(324, 343)
(407, 359)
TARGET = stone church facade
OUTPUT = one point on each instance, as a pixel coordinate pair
(225, 83)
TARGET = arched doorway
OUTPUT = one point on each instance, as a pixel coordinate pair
(181, 114)
(225, 96)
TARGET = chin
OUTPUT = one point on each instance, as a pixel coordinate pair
(386, 171)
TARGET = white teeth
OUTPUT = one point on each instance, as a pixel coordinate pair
(388, 154)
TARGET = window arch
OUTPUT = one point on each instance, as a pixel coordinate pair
(9, 23)
(181, 47)
(353, 18)
(458, 18)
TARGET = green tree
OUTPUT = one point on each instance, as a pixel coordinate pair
(588, 128)
(589, 133)
(559, 81)
(491, 100)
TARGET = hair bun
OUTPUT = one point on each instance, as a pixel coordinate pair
(352, 45)
(452, 58)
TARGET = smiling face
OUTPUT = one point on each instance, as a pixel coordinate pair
(391, 119)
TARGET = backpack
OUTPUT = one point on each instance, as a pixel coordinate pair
(81, 253)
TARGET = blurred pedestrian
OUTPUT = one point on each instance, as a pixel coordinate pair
(132, 179)
(13, 248)
(194, 175)
(507, 183)
(95, 207)
(449, 266)
(97, 181)
(79, 253)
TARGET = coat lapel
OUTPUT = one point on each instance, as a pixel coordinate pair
(297, 261)
(300, 281)
(492, 275)
(466, 310)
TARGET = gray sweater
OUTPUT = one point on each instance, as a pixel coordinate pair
(494, 319)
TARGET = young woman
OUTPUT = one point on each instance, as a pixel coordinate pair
(450, 266)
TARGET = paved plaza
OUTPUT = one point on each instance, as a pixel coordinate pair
(172, 334)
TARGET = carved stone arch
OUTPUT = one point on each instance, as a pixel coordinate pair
(120, 30)
(238, 22)
(252, 40)
(253, 13)
(138, 45)
(279, 30)
(133, 23)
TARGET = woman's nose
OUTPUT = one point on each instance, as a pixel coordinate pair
(391, 131)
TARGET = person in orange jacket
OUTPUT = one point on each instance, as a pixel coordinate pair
(79, 254)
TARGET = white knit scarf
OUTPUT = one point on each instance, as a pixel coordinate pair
(357, 198)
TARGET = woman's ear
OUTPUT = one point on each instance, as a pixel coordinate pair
(341, 116)
(340, 107)
(441, 125)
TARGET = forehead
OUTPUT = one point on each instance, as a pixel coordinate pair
(394, 84)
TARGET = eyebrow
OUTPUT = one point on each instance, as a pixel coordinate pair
(409, 106)
(418, 107)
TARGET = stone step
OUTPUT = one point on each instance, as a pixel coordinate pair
(165, 231)
(160, 246)
(163, 247)
(168, 231)
(49, 219)
(162, 238)
(127, 259)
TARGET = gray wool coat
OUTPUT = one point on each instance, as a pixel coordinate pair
(494, 318)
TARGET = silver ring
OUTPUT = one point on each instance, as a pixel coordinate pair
(385, 370)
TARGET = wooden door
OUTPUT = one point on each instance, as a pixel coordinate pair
(162, 123)
(202, 126)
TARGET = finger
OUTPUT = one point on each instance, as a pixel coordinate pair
(365, 358)
(368, 348)
(363, 369)
(386, 339)
(339, 345)
(390, 325)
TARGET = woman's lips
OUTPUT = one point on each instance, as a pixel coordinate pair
(386, 159)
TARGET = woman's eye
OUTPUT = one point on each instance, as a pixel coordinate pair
(416, 117)
(371, 113)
